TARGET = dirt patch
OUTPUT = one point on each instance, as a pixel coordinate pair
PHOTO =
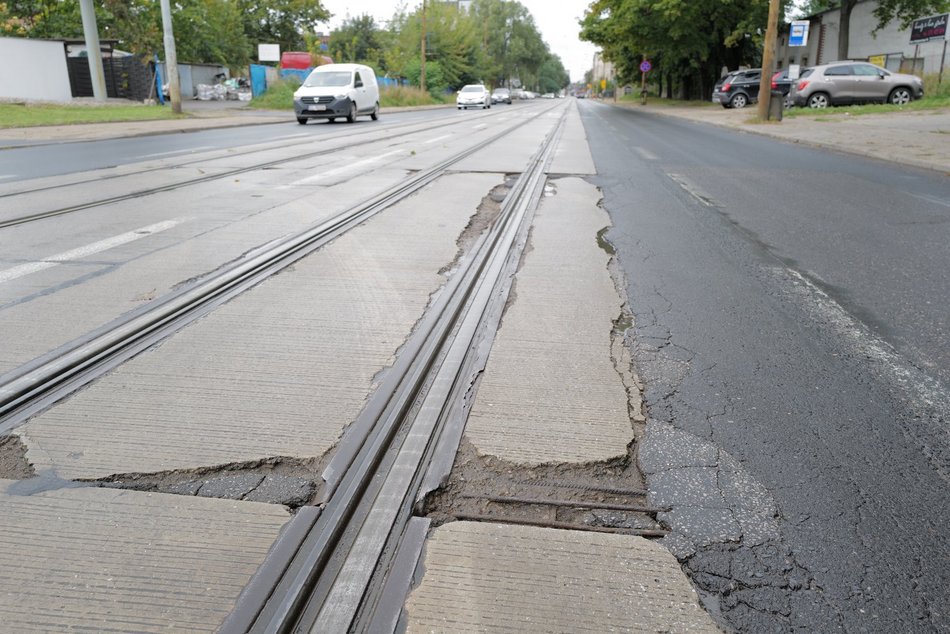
(13, 462)
(292, 482)
(609, 496)
(488, 210)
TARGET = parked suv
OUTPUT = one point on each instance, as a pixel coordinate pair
(738, 89)
(855, 82)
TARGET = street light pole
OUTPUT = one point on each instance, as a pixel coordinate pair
(422, 75)
(93, 51)
(171, 59)
(768, 61)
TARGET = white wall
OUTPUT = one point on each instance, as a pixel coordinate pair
(891, 40)
(33, 70)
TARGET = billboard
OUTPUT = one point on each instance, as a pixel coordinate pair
(926, 29)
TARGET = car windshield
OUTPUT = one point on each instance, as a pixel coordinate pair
(473, 89)
(501, 91)
(332, 78)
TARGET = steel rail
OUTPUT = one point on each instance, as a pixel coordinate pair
(12, 222)
(392, 440)
(38, 384)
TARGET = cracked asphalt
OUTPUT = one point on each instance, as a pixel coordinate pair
(790, 333)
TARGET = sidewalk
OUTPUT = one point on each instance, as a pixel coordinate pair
(919, 138)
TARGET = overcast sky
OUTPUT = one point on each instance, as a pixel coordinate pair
(556, 19)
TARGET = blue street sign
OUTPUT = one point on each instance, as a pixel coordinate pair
(798, 34)
(646, 66)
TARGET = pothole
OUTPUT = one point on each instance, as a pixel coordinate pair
(13, 462)
(606, 497)
(292, 482)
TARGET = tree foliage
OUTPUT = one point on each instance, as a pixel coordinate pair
(688, 41)
(360, 40)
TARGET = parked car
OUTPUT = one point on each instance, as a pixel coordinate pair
(738, 89)
(473, 95)
(855, 82)
(334, 91)
(501, 95)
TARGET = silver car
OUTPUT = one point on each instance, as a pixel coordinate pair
(854, 82)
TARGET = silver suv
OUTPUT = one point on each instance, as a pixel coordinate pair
(854, 82)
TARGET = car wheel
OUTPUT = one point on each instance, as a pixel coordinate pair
(302, 120)
(899, 96)
(375, 115)
(739, 101)
(331, 120)
(818, 100)
(350, 118)
(787, 101)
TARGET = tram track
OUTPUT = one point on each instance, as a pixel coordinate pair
(38, 384)
(340, 566)
(347, 143)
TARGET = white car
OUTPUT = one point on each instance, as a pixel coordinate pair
(337, 91)
(473, 95)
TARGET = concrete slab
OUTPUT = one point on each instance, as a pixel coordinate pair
(107, 560)
(281, 370)
(483, 577)
(572, 155)
(224, 221)
(550, 392)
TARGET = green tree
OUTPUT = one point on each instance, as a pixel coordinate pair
(281, 22)
(552, 76)
(359, 40)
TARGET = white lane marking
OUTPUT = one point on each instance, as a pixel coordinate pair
(480, 126)
(692, 190)
(646, 154)
(185, 151)
(89, 249)
(346, 168)
(291, 136)
(926, 393)
(932, 199)
(438, 138)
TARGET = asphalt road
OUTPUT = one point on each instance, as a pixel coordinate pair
(791, 310)
(20, 161)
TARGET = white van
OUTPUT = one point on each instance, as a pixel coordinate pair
(338, 90)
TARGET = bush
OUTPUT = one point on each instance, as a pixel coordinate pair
(279, 95)
(401, 96)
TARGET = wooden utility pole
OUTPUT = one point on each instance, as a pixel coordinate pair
(171, 59)
(93, 50)
(422, 75)
(768, 61)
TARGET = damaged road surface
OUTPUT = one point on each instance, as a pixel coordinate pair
(794, 358)
(177, 470)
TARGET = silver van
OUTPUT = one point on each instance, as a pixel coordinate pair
(336, 91)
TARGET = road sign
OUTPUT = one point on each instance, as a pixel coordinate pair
(646, 66)
(798, 34)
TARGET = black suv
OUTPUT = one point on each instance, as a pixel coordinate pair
(738, 89)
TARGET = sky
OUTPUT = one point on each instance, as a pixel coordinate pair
(557, 21)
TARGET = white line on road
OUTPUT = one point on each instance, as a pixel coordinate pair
(346, 168)
(438, 138)
(646, 154)
(291, 136)
(932, 199)
(479, 126)
(89, 249)
(692, 190)
(186, 151)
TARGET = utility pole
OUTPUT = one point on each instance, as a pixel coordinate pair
(422, 76)
(93, 51)
(171, 59)
(768, 61)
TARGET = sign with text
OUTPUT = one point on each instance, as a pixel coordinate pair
(798, 33)
(926, 29)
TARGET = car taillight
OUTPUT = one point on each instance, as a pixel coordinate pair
(802, 84)
(726, 87)
(774, 78)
